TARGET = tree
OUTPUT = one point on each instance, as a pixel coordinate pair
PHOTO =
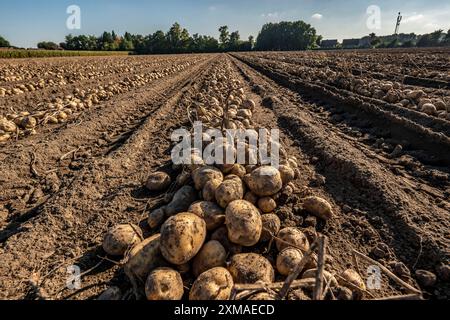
(234, 41)
(251, 41)
(224, 37)
(4, 43)
(48, 45)
(287, 36)
(374, 40)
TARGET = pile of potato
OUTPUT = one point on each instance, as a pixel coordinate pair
(20, 124)
(210, 233)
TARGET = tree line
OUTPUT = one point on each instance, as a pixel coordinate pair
(273, 36)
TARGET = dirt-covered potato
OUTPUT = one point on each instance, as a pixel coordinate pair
(7, 126)
(271, 225)
(221, 235)
(287, 174)
(238, 170)
(311, 273)
(267, 204)
(156, 217)
(214, 284)
(181, 201)
(213, 215)
(182, 237)
(158, 181)
(251, 197)
(251, 268)
(164, 284)
(318, 207)
(143, 258)
(264, 181)
(292, 236)
(229, 190)
(209, 190)
(352, 277)
(119, 239)
(263, 296)
(204, 174)
(288, 259)
(211, 255)
(243, 222)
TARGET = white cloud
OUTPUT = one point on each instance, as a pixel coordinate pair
(413, 18)
(317, 16)
(271, 15)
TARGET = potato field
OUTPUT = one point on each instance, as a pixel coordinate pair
(93, 207)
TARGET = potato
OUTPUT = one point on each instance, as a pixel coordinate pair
(221, 235)
(7, 126)
(429, 108)
(318, 207)
(213, 215)
(158, 181)
(156, 217)
(267, 204)
(164, 284)
(263, 296)
(211, 255)
(249, 104)
(4, 137)
(209, 190)
(121, 238)
(287, 174)
(229, 190)
(204, 174)
(243, 222)
(238, 170)
(214, 284)
(293, 236)
(270, 226)
(143, 258)
(311, 273)
(28, 122)
(288, 259)
(264, 181)
(251, 268)
(182, 237)
(251, 197)
(352, 277)
(181, 201)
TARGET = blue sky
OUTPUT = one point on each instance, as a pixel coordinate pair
(26, 22)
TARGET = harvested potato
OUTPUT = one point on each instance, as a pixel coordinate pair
(121, 238)
(211, 255)
(28, 122)
(164, 284)
(263, 296)
(311, 273)
(251, 268)
(158, 181)
(238, 170)
(352, 277)
(221, 235)
(251, 197)
(243, 222)
(214, 284)
(264, 181)
(182, 237)
(4, 137)
(213, 215)
(288, 260)
(7, 126)
(204, 174)
(156, 217)
(318, 207)
(229, 190)
(267, 204)
(209, 190)
(270, 226)
(287, 174)
(181, 201)
(292, 236)
(143, 258)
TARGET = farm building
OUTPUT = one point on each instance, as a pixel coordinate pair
(350, 43)
(329, 44)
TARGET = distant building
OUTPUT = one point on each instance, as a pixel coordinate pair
(350, 43)
(329, 44)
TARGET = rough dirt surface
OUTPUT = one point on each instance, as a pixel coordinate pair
(65, 185)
